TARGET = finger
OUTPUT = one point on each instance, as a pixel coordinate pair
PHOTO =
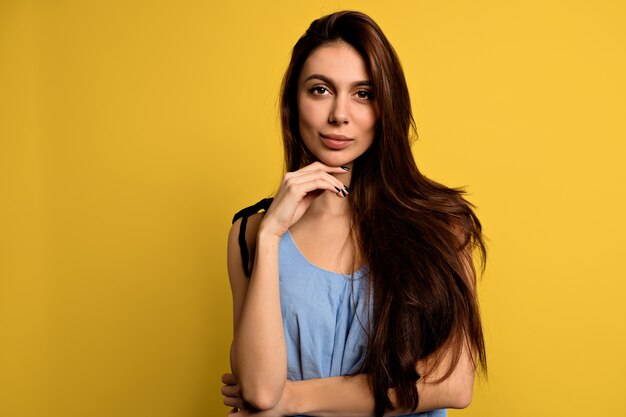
(231, 391)
(305, 173)
(229, 379)
(323, 167)
(235, 412)
(316, 180)
(307, 187)
(233, 402)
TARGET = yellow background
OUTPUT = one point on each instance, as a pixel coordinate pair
(131, 131)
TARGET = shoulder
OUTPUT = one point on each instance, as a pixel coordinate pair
(242, 237)
(253, 209)
(463, 240)
(241, 243)
(251, 227)
(460, 232)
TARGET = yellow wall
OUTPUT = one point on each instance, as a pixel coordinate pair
(131, 131)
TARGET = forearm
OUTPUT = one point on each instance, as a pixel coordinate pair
(331, 397)
(352, 397)
(258, 352)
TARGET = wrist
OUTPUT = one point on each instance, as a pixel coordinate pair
(266, 234)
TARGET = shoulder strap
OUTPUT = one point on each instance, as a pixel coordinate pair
(243, 215)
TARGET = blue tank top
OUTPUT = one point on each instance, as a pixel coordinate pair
(325, 317)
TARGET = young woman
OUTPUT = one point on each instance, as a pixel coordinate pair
(354, 293)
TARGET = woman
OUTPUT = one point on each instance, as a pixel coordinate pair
(354, 293)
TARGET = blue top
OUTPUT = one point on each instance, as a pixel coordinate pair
(324, 315)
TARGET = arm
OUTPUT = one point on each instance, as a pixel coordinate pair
(351, 396)
(343, 396)
(258, 351)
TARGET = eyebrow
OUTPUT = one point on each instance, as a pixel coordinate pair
(331, 82)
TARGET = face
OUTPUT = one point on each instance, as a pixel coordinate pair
(335, 105)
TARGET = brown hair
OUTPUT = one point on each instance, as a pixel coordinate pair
(413, 233)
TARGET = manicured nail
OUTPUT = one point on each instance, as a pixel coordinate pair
(347, 188)
(338, 189)
(343, 192)
(345, 168)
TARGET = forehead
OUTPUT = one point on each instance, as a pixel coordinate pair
(337, 61)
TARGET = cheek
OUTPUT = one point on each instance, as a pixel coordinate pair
(367, 119)
(307, 114)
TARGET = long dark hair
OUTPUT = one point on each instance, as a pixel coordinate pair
(416, 236)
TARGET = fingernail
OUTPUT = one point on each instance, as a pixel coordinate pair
(345, 168)
(343, 192)
(347, 188)
(338, 189)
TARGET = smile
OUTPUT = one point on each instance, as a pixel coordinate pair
(336, 141)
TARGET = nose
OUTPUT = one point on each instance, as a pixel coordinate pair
(339, 111)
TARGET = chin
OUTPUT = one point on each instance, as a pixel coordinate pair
(335, 161)
(335, 158)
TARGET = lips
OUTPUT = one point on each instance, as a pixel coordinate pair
(336, 141)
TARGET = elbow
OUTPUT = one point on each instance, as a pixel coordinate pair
(462, 396)
(261, 390)
(463, 400)
(261, 397)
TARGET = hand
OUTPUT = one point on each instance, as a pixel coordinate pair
(238, 412)
(297, 192)
(232, 392)
(233, 398)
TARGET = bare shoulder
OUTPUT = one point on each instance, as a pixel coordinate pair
(235, 259)
(236, 273)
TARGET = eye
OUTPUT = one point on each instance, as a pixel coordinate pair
(319, 90)
(365, 94)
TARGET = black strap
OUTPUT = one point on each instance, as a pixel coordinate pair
(244, 214)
